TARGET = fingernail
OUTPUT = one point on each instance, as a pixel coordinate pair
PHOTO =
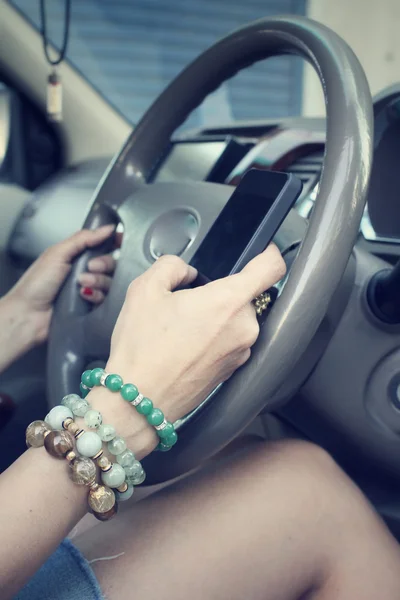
(87, 291)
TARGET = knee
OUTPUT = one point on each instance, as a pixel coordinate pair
(296, 453)
(308, 468)
(313, 457)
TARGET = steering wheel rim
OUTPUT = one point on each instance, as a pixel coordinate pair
(323, 254)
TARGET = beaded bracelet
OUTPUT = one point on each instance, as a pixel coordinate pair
(60, 444)
(122, 475)
(144, 406)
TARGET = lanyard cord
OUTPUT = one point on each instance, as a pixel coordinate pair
(67, 18)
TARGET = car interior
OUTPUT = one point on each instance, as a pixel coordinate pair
(326, 365)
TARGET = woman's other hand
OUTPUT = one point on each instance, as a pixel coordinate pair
(178, 346)
(37, 289)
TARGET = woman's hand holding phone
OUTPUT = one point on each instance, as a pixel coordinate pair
(178, 346)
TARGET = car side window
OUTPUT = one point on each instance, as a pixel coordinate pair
(131, 50)
(30, 151)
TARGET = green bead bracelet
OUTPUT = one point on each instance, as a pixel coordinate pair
(129, 392)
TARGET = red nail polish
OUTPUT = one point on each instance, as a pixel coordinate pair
(87, 292)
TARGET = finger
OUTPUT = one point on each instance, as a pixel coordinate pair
(258, 275)
(170, 272)
(102, 264)
(96, 281)
(92, 296)
(86, 238)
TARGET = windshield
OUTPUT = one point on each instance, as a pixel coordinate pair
(129, 50)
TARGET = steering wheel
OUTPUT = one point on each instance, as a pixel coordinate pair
(78, 335)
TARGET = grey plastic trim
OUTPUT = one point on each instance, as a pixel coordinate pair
(369, 232)
(348, 401)
(380, 101)
(323, 255)
(63, 202)
(5, 122)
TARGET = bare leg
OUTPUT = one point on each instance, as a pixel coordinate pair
(279, 522)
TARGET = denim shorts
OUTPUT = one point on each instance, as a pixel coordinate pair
(66, 575)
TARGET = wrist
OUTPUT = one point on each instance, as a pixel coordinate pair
(34, 322)
(138, 434)
(159, 386)
(19, 330)
(141, 437)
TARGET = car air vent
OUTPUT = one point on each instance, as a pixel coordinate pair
(240, 130)
(248, 131)
(308, 169)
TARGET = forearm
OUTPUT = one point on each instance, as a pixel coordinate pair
(17, 332)
(40, 504)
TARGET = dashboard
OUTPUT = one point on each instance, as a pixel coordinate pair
(223, 155)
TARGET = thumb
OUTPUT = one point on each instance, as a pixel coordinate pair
(170, 272)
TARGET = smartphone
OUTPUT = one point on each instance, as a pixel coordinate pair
(247, 223)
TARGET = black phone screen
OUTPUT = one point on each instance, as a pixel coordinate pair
(237, 223)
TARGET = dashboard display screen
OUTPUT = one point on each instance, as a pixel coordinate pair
(189, 161)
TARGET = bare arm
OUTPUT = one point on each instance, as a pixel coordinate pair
(25, 312)
(17, 331)
(40, 505)
(188, 356)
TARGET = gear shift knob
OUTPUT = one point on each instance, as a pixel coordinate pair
(383, 295)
